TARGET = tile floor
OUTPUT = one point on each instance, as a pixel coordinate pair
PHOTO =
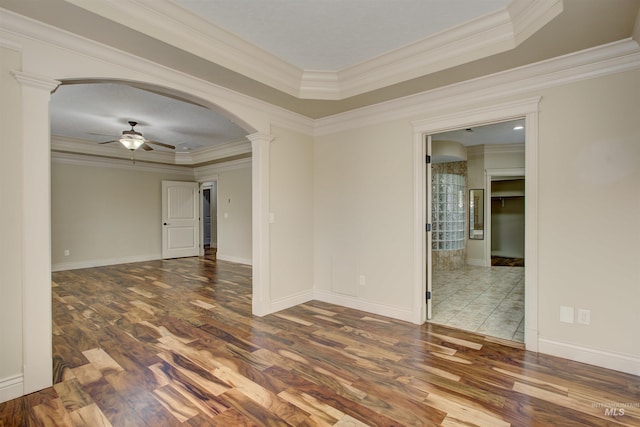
(486, 300)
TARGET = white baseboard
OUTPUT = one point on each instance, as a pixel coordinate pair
(368, 306)
(616, 361)
(478, 262)
(11, 387)
(291, 301)
(231, 258)
(103, 262)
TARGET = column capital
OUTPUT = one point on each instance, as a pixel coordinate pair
(35, 80)
(260, 137)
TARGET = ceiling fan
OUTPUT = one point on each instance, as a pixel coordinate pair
(132, 140)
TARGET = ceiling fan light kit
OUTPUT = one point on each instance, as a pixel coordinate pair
(131, 139)
(131, 142)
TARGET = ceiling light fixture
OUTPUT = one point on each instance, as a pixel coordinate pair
(131, 139)
(518, 127)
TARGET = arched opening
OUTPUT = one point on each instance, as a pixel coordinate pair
(173, 96)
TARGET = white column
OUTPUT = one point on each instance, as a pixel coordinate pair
(36, 232)
(260, 160)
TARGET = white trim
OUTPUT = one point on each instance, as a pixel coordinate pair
(230, 258)
(64, 266)
(488, 177)
(36, 231)
(116, 151)
(210, 172)
(11, 387)
(291, 301)
(611, 58)
(362, 305)
(176, 26)
(480, 37)
(216, 152)
(605, 359)
(527, 108)
(233, 105)
(139, 166)
(9, 44)
(261, 235)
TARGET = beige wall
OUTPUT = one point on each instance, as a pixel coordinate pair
(291, 202)
(10, 219)
(588, 232)
(234, 215)
(363, 198)
(476, 180)
(481, 158)
(106, 215)
(363, 188)
(589, 207)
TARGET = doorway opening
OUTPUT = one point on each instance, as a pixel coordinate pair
(470, 225)
(209, 215)
(526, 109)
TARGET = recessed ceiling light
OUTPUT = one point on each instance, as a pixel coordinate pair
(519, 127)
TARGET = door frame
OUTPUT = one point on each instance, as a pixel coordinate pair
(489, 174)
(204, 184)
(524, 108)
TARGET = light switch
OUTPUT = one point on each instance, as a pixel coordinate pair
(272, 217)
(566, 314)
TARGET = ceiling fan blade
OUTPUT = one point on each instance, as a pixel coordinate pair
(146, 147)
(162, 144)
(108, 142)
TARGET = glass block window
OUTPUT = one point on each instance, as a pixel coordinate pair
(447, 215)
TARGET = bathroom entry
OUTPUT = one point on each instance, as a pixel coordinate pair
(467, 293)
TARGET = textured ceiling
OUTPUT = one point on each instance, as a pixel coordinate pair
(334, 34)
(308, 33)
(99, 112)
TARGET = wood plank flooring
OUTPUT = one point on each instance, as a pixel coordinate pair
(173, 343)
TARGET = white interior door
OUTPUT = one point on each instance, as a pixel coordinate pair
(428, 273)
(180, 220)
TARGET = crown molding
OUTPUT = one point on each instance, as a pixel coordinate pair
(217, 152)
(619, 56)
(208, 172)
(486, 35)
(115, 151)
(174, 25)
(11, 45)
(36, 81)
(19, 31)
(81, 159)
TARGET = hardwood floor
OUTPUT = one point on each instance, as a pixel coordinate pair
(171, 343)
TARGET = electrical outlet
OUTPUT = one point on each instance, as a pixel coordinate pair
(66, 252)
(584, 316)
(363, 280)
